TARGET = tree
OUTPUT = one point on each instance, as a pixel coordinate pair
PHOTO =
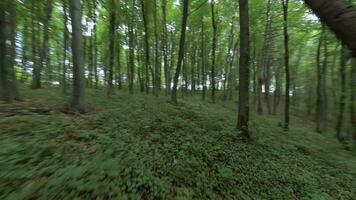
(286, 64)
(214, 43)
(243, 107)
(181, 50)
(44, 56)
(8, 86)
(342, 103)
(339, 15)
(65, 48)
(78, 96)
(165, 48)
(111, 46)
(353, 102)
(147, 46)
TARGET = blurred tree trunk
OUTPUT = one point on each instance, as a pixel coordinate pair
(44, 56)
(286, 64)
(213, 59)
(112, 22)
(78, 96)
(203, 66)
(353, 102)
(8, 86)
(339, 15)
(181, 50)
(165, 48)
(65, 48)
(340, 116)
(147, 47)
(131, 70)
(243, 107)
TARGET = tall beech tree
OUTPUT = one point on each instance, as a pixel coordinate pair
(243, 107)
(181, 50)
(78, 95)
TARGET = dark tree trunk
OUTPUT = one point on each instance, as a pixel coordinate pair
(214, 43)
(203, 67)
(286, 63)
(78, 96)
(131, 70)
(8, 86)
(65, 48)
(353, 102)
(319, 95)
(243, 110)
(340, 117)
(165, 48)
(181, 50)
(111, 47)
(147, 47)
(339, 15)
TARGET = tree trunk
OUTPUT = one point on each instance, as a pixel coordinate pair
(319, 98)
(286, 63)
(65, 48)
(214, 43)
(353, 102)
(131, 70)
(165, 47)
(340, 117)
(78, 96)
(8, 86)
(181, 50)
(147, 47)
(339, 15)
(111, 47)
(243, 110)
(203, 67)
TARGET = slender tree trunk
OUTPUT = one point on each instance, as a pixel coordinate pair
(319, 94)
(203, 67)
(111, 47)
(165, 47)
(228, 62)
(65, 48)
(181, 50)
(340, 117)
(157, 54)
(286, 63)
(214, 43)
(131, 70)
(78, 96)
(96, 76)
(353, 102)
(147, 47)
(243, 110)
(277, 91)
(24, 51)
(324, 89)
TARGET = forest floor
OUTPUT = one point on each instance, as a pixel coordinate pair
(142, 147)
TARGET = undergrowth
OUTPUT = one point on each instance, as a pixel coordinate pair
(142, 147)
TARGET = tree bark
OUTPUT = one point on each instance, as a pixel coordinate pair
(8, 86)
(286, 63)
(214, 43)
(243, 107)
(78, 96)
(112, 21)
(340, 117)
(339, 15)
(181, 50)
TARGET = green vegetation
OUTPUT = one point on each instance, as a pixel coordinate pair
(142, 147)
(177, 99)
